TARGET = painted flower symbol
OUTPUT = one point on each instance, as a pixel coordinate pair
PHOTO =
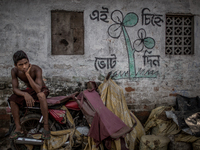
(143, 41)
(130, 20)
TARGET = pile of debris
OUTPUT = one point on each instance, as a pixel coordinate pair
(114, 126)
(173, 128)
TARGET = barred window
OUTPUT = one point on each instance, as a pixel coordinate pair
(179, 35)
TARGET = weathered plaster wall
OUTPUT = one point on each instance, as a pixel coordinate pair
(26, 25)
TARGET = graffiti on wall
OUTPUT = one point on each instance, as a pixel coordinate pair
(152, 60)
(143, 44)
(105, 63)
(148, 18)
(100, 15)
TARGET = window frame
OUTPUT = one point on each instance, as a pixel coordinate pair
(192, 33)
(73, 27)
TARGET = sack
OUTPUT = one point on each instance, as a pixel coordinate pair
(185, 107)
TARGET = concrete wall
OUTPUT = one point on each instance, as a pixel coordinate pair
(26, 25)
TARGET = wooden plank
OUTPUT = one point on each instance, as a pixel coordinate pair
(67, 33)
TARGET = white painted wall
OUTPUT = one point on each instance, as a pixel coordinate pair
(26, 25)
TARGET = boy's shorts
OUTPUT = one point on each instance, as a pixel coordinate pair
(20, 99)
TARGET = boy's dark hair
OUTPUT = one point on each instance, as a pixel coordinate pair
(19, 55)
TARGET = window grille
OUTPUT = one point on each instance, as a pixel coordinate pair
(179, 35)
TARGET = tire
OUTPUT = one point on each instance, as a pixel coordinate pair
(29, 122)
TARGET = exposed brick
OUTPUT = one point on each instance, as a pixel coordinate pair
(1, 93)
(156, 89)
(2, 111)
(173, 94)
(3, 131)
(7, 92)
(9, 85)
(142, 116)
(129, 89)
(5, 117)
(4, 104)
(2, 86)
(5, 121)
(131, 107)
(145, 107)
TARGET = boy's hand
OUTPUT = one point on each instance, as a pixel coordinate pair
(29, 100)
(27, 72)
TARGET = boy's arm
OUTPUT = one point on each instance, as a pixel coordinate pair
(28, 98)
(15, 84)
(37, 84)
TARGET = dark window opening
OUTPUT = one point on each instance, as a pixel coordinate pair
(67, 33)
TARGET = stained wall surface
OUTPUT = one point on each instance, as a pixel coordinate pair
(117, 37)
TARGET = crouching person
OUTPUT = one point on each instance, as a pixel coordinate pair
(31, 75)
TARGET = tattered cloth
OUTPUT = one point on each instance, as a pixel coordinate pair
(20, 99)
(113, 97)
(193, 122)
(159, 124)
(188, 113)
(105, 125)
